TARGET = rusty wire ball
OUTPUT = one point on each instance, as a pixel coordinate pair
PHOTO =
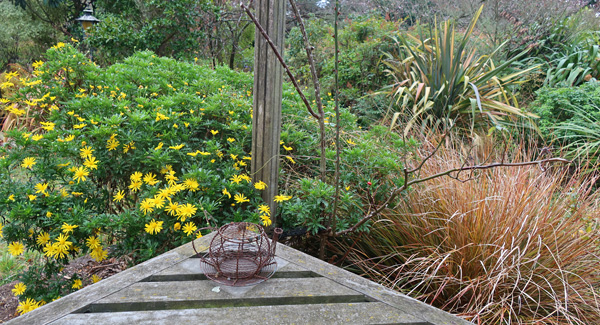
(240, 254)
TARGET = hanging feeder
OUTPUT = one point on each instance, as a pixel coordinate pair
(240, 254)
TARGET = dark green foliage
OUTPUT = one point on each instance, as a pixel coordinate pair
(570, 117)
(168, 119)
(571, 53)
(164, 27)
(161, 113)
(558, 105)
(573, 66)
(362, 41)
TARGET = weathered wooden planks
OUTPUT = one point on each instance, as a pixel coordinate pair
(347, 313)
(203, 290)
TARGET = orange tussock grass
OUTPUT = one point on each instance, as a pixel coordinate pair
(516, 245)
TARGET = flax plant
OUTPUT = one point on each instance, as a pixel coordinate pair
(439, 81)
(511, 246)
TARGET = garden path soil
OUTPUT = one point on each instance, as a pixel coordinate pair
(84, 266)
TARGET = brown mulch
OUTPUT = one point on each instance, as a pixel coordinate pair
(84, 266)
(8, 302)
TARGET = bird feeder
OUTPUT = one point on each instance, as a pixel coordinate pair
(240, 254)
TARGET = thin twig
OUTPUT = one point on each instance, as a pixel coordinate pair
(317, 88)
(311, 60)
(406, 185)
(439, 145)
(469, 155)
(321, 119)
(103, 266)
(333, 217)
(494, 165)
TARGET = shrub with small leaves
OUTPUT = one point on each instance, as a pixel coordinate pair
(131, 159)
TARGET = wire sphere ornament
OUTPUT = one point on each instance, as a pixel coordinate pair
(240, 254)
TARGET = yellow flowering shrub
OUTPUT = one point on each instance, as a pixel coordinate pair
(137, 157)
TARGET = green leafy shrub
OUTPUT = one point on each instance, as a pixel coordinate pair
(11, 266)
(581, 135)
(563, 27)
(164, 27)
(367, 156)
(567, 53)
(534, 26)
(573, 66)
(371, 166)
(572, 59)
(30, 27)
(362, 41)
(20, 35)
(134, 157)
(559, 105)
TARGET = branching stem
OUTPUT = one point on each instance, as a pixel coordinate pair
(278, 55)
(448, 172)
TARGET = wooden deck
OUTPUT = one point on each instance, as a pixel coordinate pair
(170, 289)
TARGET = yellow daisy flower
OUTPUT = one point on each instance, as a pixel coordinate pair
(16, 248)
(76, 284)
(80, 174)
(154, 227)
(189, 228)
(225, 192)
(281, 198)
(86, 152)
(119, 196)
(91, 162)
(67, 228)
(19, 289)
(260, 185)
(240, 198)
(27, 306)
(266, 221)
(28, 162)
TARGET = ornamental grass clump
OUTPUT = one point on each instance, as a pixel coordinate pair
(511, 246)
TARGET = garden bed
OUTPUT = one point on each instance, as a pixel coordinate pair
(85, 266)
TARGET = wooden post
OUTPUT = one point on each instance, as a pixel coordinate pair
(268, 82)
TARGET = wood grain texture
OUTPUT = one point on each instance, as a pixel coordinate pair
(347, 313)
(268, 81)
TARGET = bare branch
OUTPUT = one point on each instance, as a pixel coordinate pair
(333, 216)
(439, 145)
(406, 185)
(469, 157)
(278, 55)
(317, 89)
(311, 60)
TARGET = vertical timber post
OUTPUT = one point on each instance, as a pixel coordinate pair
(268, 83)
